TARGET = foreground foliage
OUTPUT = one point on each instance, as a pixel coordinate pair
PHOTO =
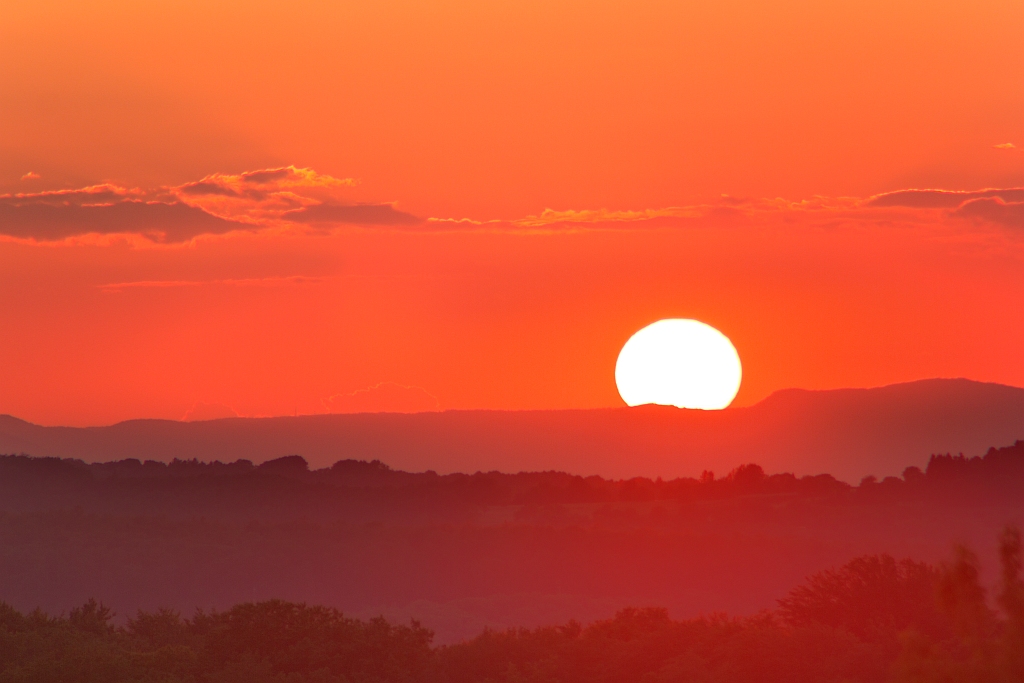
(874, 619)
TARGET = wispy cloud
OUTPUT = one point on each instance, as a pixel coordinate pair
(358, 214)
(102, 194)
(300, 199)
(44, 220)
(264, 196)
(942, 199)
(993, 210)
(580, 216)
(216, 204)
(999, 206)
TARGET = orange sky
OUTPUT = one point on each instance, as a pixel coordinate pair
(400, 239)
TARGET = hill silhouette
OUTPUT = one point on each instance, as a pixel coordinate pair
(849, 433)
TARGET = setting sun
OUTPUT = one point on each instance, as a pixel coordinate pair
(682, 363)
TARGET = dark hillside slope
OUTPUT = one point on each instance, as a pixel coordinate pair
(849, 433)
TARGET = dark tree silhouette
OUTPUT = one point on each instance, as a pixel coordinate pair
(872, 597)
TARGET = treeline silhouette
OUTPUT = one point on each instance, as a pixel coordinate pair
(874, 619)
(371, 490)
(465, 551)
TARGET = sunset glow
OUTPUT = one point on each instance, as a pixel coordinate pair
(259, 208)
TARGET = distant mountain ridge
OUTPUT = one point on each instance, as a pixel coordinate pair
(849, 433)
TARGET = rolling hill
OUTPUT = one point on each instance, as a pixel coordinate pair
(849, 433)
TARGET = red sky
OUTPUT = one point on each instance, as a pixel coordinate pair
(473, 205)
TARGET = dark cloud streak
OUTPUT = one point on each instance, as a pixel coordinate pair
(261, 177)
(216, 204)
(994, 210)
(165, 222)
(206, 188)
(941, 199)
(358, 214)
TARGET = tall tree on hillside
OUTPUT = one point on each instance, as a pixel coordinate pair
(1011, 599)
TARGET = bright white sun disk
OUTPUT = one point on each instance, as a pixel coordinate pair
(679, 362)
